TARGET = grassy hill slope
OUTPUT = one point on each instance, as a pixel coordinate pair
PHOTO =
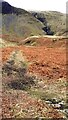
(18, 23)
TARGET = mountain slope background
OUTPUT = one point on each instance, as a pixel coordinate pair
(18, 24)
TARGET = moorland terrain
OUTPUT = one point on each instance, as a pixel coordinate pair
(34, 64)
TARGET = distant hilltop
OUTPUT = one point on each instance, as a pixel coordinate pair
(8, 9)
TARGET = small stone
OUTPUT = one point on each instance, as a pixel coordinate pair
(57, 106)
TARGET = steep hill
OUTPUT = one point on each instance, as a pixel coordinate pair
(18, 23)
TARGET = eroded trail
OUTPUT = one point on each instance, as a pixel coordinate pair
(46, 36)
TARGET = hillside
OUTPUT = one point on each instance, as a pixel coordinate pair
(18, 23)
(55, 22)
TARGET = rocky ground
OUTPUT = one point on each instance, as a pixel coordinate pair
(34, 80)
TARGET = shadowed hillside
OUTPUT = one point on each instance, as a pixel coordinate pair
(55, 22)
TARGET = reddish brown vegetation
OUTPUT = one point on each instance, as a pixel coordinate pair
(44, 61)
(6, 53)
(48, 62)
(14, 102)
